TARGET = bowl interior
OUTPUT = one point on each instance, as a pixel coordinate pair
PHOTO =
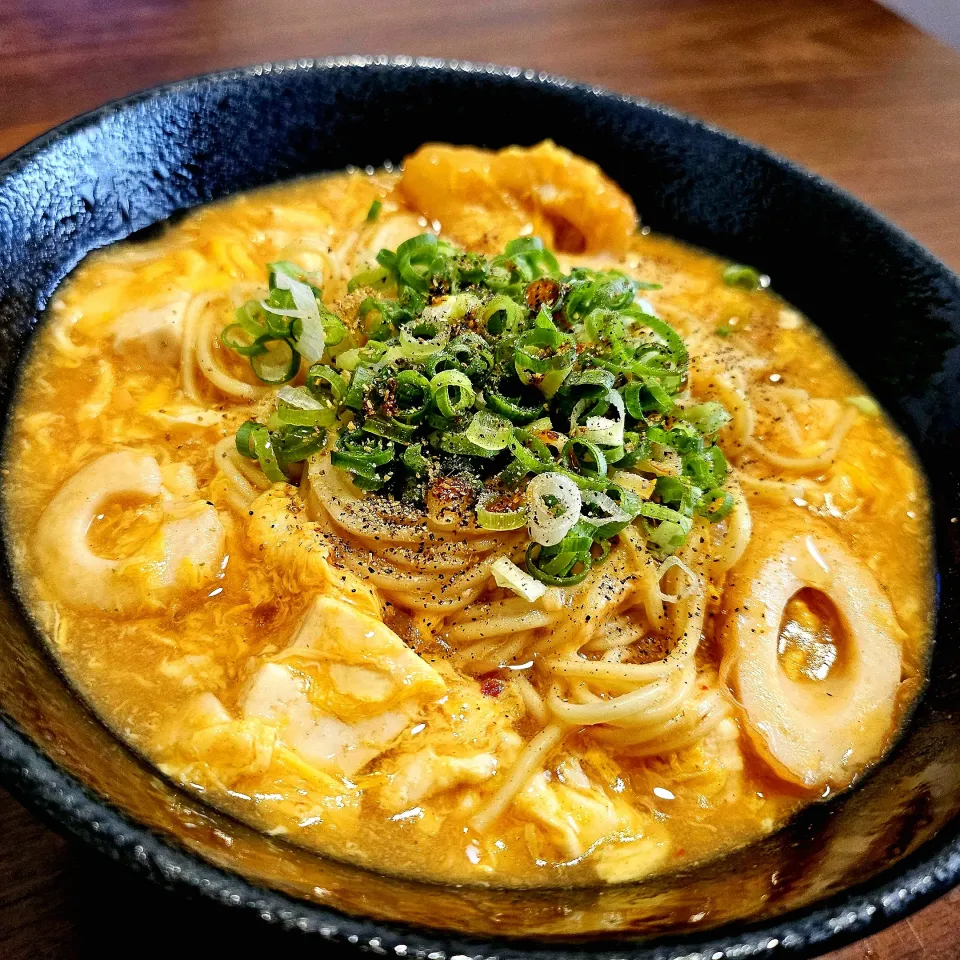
(891, 310)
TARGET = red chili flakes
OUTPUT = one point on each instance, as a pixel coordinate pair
(542, 293)
(491, 686)
(450, 491)
(505, 503)
(265, 614)
(388, 405)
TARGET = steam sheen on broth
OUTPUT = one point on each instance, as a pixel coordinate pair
(474, 666)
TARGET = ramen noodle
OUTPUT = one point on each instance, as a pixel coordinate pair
(445, 521)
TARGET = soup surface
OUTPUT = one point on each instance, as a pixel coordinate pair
(357, 510)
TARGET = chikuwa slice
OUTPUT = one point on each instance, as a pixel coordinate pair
(819, 730)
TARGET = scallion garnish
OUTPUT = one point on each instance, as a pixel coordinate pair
(866, 405)
(510, 577)
(740, 275)
(560, 398)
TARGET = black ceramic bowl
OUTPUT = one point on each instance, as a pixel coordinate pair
(839, 871)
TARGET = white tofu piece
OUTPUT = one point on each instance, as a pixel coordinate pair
(425, 774)
(346, 688)
(205, 710)
(279, 695)
(158, 331)
(192, 548)
(363, 658)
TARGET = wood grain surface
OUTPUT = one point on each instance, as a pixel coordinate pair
(840, 86)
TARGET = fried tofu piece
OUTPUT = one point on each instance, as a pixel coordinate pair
(483, 198)
(344, 689)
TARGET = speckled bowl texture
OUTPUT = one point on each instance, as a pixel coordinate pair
(842, 869)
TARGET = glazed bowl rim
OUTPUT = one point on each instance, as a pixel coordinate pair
(71, 807)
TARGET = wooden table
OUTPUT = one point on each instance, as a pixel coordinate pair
(841, 86)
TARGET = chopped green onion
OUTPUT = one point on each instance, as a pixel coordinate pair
(674, 520)
(509, 576)
(468, 353)
(452, 392)
(591, 461)
(412, 396)
(505, 520)
(543, 357)
(278, 363)
(530, 259)
(539, 426)
(263, 447)
(553, 507)
(293, 443)
(377, 278)
(311, 338)
(592, 378)
(608, 512)
(300, 398)
(374, 212)
(322, 380)
(252, 318)
(866, 405)
(237, 338)
(708, 418)
(474, 367)
(418, 259)
(558, 569)
(349, 360)
(390, 429)
(253, 441)
(488, 431)
(530, 458)
(244, 439)
(605, 430)
(451, 308)
(360, 385)
(740, 275)
(420, 338)
(461, 444)
(415, 461)
(513, 408)
(501, 315)
(291, 417)
(716, 505)
(362, 456)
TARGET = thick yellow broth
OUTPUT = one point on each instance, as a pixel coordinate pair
(79, 398)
